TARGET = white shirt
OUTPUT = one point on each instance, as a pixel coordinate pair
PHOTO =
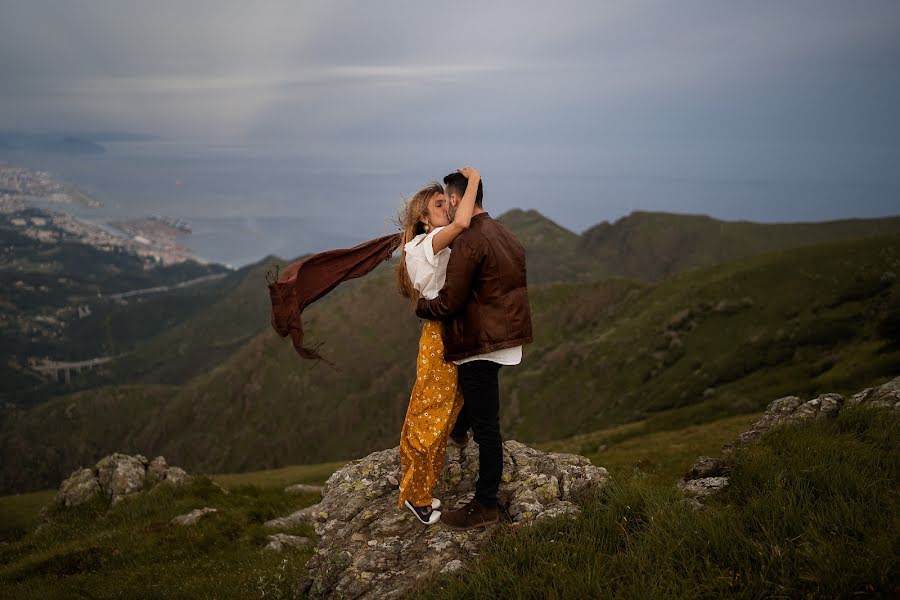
(504, 356)
(428, 272)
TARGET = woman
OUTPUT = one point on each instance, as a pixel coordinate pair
(435, 401)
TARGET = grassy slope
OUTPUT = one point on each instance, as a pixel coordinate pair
(650, 246)
(811, 511)
(91, 552)
(39, 279)
(816, 315)
(662, 456)
(225, 320)
(552, 251)
(772, 533)
(218, 328)
(205, 325)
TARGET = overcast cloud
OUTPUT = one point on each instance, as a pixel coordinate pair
(712, 91)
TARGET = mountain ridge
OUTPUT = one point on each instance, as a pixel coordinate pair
(616, 350)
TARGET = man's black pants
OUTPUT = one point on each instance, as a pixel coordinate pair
(481, 411)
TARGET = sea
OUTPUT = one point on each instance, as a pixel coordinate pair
(247, 201)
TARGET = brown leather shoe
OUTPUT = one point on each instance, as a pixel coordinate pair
(459, 442)
(474, 514)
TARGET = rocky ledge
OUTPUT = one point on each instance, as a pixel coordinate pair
(116, 477)
(368, 548)
(710, 474)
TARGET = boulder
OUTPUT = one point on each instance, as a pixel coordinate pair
(304, 515)
(117, 476)
(303, 488)
(706, 466)
(709, 474)
(176, 476)
(121, 475)
(280, 541)
(702, 486)
(192, 517)
(81, 486)
(884, 396)
(368, 548)
(156, 470)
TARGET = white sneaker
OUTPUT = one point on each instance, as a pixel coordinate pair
(425, 514)
(435, 503)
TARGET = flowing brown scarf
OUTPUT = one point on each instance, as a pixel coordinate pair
(306, 280)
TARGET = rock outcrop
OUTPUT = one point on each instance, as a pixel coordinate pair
(117, 476)
(279, 541)
(192, 517)
(368, 548)
(710, 474)
(303, 488)
(304, 515)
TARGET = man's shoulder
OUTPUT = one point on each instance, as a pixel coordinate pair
(482, 227)
(473, 236)
(493, 232)
(484, 232)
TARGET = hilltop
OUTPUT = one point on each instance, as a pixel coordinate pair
(651, 246)
(71, 292)
(703, 345)
(808, 510)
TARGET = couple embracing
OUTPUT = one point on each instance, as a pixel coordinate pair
(466, 274)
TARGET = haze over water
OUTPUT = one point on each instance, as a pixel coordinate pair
(293, 127)
(247, 201)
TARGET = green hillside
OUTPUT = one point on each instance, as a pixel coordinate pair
(699, 346)
(171, 338)
(774, 531)
(810, 512)
(650, 246)
(222, 321)
(58, 299)
(718, 341)
(552, 251)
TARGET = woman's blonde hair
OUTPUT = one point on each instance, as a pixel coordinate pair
(410, 222)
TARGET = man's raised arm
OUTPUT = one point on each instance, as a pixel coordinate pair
(461, 268)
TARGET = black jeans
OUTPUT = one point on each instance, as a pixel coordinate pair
(481, 411)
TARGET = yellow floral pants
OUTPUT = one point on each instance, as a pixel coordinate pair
(433, 406)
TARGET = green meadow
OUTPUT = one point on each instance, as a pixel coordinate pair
(811, 511)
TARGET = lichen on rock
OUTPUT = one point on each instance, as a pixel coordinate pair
(368, 548)
(117, 476)
(710, 474)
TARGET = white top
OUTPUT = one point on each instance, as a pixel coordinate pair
(428, 272)
(504, 356)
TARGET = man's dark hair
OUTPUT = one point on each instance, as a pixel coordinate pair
(455, 183)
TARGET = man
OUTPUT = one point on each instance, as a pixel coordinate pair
(486, 319)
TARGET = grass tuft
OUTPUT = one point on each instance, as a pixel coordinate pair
(812, 511)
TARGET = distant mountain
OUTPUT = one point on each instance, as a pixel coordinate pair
(54, 143)
(59, 298)
(115, 136)
(700, 345)
(552, 251)
(221, 324)
(650, 246)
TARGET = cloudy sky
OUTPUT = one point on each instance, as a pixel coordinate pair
(564, 98)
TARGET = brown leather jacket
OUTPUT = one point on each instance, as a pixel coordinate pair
(484, 303)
